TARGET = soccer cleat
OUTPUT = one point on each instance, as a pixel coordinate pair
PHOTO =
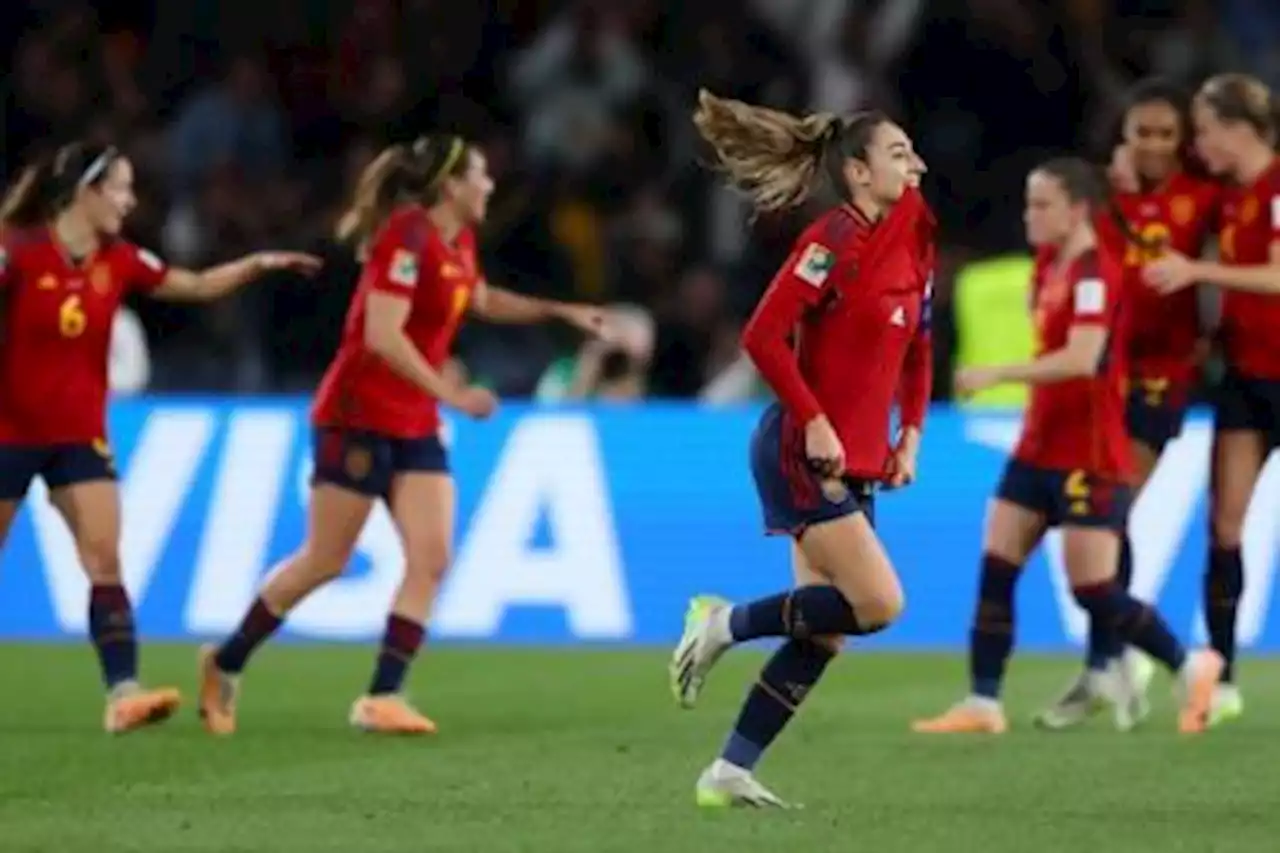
(1198, 681)
(1078, 703)
(724, 785)
(131, 707)
(1227, 705)
(1131, 677)
(389, 715)
(706, 637)
(219, 692)
(974, 715)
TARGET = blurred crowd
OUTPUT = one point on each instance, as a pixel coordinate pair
(248, 121)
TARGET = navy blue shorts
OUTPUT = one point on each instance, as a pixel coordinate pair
(1066, 498)
(1155, 412)
(1249, 404)
(58, 465)
(367, 462)
(791, 497)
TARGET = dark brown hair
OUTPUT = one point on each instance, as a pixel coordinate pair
(780, 159)
(401, 174)
(49, 185)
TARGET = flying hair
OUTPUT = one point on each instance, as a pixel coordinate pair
(778, 159)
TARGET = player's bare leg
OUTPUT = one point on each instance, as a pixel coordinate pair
(335, 518)
(1238, 459)
(92, 513)
(849, 587)
(422, 506)
(1012, 532)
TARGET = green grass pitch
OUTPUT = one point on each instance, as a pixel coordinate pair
(546, 751)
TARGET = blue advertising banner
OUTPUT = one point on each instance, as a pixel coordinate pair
(580, 525)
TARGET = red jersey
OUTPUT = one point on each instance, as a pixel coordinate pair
(409, 258)
(1251, 321)
(1163, 330)
(56, 332)
(1079, 424)
(853, 293)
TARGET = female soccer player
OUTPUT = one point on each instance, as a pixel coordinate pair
(1072, 466)
(853, 291)
(1236, 133)
(1167, 209)
(64, 270)
(377, 412)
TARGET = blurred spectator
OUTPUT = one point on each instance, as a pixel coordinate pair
(605, 370)
(582, 107)
(235, 123)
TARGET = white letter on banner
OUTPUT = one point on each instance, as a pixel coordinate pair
(159, 477)
(353, 607)
(551, 467)
(244, 507)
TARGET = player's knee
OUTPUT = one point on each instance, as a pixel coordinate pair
(832, 643)
(427, 561)
(321, 565)
(100, 556)
(882, 607)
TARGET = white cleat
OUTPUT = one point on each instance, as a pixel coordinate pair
(1129, 679)
(724, 785)
(1227, 705)
(706, 637)
(1085, 697)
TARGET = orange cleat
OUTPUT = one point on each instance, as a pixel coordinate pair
(218, 694)
(135, 707)
(1199, 676)
(972, 716)
(389, 715)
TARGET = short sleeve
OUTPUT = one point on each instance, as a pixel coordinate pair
(144, 270)
(396, 259)
(1090, 298)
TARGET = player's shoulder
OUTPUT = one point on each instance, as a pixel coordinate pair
(838, 228)
(1185, 189)
(409, 227)
(19, 241)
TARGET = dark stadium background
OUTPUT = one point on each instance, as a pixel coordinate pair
(247, 119)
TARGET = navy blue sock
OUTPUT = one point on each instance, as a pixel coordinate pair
(783, 684)
(1137, 623)
(1223, 586)
(1104, 642)
(258, 624)
(112, 630)
(810, 611)
(399, 645)
(991, 639)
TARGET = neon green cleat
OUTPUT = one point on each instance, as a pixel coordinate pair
(706, 637)
(1228, 704)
